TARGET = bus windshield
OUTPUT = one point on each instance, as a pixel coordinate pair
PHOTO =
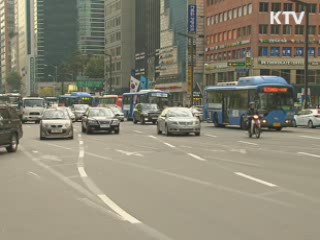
(108, 100)
(275, 101)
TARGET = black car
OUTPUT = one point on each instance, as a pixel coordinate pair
(10, 128)
(100, 119)
(146, 112)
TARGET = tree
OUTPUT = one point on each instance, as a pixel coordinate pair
(95, 67)
(13, 81)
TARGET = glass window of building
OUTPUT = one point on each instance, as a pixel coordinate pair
(312, 30)
(240, 11)
(319, 52)
(264, 7)
(249, 30)
(208, 21)
(299, 30)
(216, 18)
(212, 20)
(287, 7)
(311, 52)
(230, 14)
(275, 29)
(225, 16)
(312, 8)
(298, 51)
(245, 10)
(299, 7)
(287, 51)
(275, 52)
(221, 17)
(276, 7)
(249, 8)
(235, 13)
(263, 28)
(287, 29)
(263, 51)
(299, 76)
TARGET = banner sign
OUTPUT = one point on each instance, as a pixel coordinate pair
(192, 18)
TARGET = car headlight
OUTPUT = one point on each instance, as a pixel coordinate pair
(115, 122)
(92, 122)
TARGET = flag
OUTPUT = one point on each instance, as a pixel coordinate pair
(134, 84)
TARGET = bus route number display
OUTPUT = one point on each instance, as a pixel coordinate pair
(275, 90)
(164, 95)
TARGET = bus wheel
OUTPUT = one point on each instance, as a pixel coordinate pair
(279, 128)
(215, 120)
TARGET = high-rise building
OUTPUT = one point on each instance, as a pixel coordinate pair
(262, 38)
(120, 43)
(91, 32)
(7, 32)
(147, 38)
(173, 56)
(55, 36)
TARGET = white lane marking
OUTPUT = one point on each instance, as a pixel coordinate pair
(197, 157)
(185, 146)
(82, 172)
(34, 151)
(79, 135)
(255, 179)
(81, 142)
(81, 154)
(310, 137)
(51, 158)
(249, 143)
(129, 153)
(209, 135)
(54, 145)
(150, 136)
(309, 154)
(137, 131)
(34, 174)
(126, 216)
(243, 151)
(169, 145)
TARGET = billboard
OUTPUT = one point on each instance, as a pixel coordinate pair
(192, 18)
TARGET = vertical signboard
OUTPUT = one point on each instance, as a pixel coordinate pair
(192, 18)
(32, 75)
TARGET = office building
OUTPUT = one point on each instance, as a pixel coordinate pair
(119, 43)
(91, 26)
(242, 40)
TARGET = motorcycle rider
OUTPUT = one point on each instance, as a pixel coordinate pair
(251, 111)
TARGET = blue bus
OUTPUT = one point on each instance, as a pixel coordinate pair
(129, 100)
(228, 105)
(83, 98)
(67, 100)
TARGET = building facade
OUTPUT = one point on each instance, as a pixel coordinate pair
(91, 24)
(55, 37)
(7, 33)
(147, 39)
(173, 54)
(119, 44)
(246, 38)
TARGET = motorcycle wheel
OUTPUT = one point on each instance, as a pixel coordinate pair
(257, 131)
(249, 133)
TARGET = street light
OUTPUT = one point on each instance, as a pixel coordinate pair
(110, 74)
(191, 38)
(306, 49)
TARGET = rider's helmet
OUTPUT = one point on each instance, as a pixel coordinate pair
(252, 105)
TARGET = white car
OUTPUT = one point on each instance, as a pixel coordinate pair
(308, 117)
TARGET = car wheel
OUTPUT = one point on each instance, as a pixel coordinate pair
(154, 122)
(117, 131)
(158, 129)
(294, 123)
(134, 120)
(310, 124)
(143, 121)
(13, 144)
(88, 131)
(71, 135)
(167, 131)
(197, 133)
(83, 129)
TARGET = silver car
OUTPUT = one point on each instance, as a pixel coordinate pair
(79, 109)
(117, 112)
(69, 112)
(178, 120)
(55, 124)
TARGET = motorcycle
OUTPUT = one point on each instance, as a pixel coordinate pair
(255, 127)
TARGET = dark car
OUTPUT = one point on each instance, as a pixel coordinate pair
(146, 112)
(100, 119)
(10, 128)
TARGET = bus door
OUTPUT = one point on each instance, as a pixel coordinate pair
(225, 108)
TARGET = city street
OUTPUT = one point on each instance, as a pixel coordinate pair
(140, 185)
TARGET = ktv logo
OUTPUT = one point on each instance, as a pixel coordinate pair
(297, 17)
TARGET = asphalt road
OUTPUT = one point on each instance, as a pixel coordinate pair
(140, 185)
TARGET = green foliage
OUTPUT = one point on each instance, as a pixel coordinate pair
(95, 67)
(13, 80)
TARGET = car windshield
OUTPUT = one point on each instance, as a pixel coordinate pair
(116, 110)
(180, 113)
(150, 107)
(54, 114)
(80, 107)
(33, 102)
(100, 113)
